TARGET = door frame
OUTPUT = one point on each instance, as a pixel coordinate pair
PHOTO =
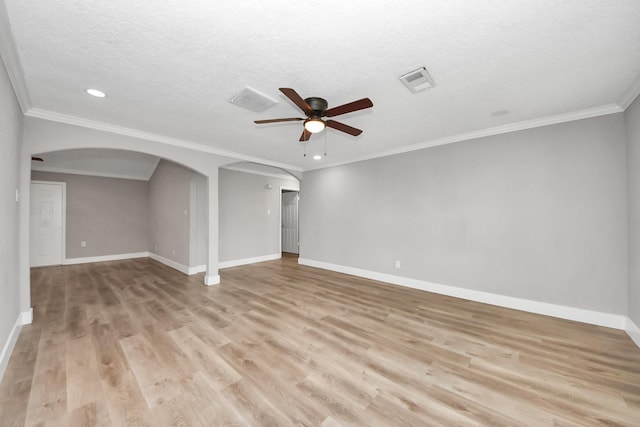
(297, 190)
(63, 219)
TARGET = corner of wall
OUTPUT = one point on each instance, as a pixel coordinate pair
(24, 318)
(633, 331)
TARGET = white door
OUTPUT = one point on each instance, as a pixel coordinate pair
(46, 226)
(290, 222)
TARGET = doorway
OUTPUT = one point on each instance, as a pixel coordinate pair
(47, 223)
(289, 221)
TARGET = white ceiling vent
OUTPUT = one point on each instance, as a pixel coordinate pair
(253, 100)
(417, 80)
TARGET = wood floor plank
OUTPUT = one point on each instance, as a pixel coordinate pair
(134, 342)
(157, 382)
(48, 398)
(205, 360)
(83, 380)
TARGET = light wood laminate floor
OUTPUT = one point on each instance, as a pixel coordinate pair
(137, 343)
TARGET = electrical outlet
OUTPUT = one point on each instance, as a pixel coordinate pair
(173, 252)
(17, 195)
(83, 244)
(397, 264)
(268, 211)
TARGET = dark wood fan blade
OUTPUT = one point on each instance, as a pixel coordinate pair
(37, 159)
(305, 135)
(344, 128)
(297, 99)
(360, 104)
(290, 119)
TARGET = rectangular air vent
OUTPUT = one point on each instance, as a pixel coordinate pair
(417, 80)
(253, 100)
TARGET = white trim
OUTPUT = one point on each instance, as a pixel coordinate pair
(563, 312)
(26, 317)
(8, 347)
(119, 130)
(103, 258)
(498, 130)
(189, 271)
(212, 280)
(88, 173)
(631, 94)
(197, 269)
(633, 331)
(170, 263)
(244, 261)
(234, 167)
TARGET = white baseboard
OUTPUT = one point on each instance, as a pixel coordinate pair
(24, 318)
(563, 312)
(170, 263)
(212, 280)
(244, 261)
(116, 257)
(176, 265)
(633, 331)
(182, 268)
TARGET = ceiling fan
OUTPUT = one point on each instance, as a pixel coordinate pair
(315, 109)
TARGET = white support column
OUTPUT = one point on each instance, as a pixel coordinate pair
(211, 276)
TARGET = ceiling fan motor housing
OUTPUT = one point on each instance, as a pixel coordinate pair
(318, 105)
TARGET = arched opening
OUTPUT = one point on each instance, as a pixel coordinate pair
(124, 204)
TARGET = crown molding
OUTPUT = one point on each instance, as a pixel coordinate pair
(11, 60)
(120, 130)
(498, 130)
(631, 94)
(235, 167)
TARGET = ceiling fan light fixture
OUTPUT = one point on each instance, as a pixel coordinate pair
(314, 125)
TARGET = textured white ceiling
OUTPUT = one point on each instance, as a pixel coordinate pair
(168, 67)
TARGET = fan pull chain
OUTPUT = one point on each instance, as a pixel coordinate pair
(304, 144)
(325, 142)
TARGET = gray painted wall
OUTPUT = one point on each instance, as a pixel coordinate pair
(10, 135)
(110, 214)
(246, 230)
(632, 120)
(539, 214)
(169, 193)
(198, 220)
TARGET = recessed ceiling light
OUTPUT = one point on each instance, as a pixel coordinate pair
(97, 93)
(317, 157)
